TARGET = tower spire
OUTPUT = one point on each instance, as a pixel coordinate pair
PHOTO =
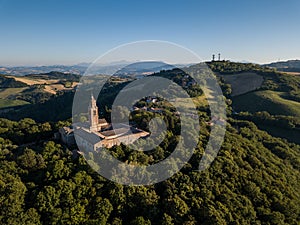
(93, 114)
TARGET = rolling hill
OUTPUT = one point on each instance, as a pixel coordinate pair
(257, 91)
(33, 88)
(24, 70)
(270, 101)
(254, 89)
(242, 83)
(286, 66)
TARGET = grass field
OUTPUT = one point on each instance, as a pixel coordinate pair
(8, 96)
(51, 85)
(183, 102)
(198, 101)
(30, 81)
(4, 103)
(4, 93)
(291, 73)
(270, 101)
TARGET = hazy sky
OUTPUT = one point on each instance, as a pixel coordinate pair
(36, 32)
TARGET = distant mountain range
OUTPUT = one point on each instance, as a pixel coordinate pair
(140, 69)
(121, 68)
(24, 70)
(287, 66)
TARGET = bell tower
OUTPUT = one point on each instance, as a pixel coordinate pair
(93, 114)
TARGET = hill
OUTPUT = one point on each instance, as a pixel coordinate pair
(142, 69)
(24, 70)
(55, 75)
(10, 86)
(34, 88)
(258, 89)
(286, 66)
(273, 102)
(253, 89)
(244, 82)
(10, 82)
(253, 180)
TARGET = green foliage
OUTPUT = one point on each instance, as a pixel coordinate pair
(275, 103)
(254, 180)
(34, 94)
(67, 84)
(55, 75)
(7, 103)
(287, 127)
(227, 67)
(56, 108)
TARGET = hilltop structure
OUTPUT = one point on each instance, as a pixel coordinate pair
(214, 58)
(97, 133)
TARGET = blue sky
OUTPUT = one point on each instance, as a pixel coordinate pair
(36, 32)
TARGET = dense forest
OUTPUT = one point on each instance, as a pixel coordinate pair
(255, 178)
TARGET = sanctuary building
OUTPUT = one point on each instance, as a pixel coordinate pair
(97, 133)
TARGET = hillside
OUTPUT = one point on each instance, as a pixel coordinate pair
(10, 82)
(142, 69)
(255, 178)
(256, 89)
(34, 88)
(286, 66)
(253, 89)
(244, 82)
(270, 101)
(55, 75)
(24, 70)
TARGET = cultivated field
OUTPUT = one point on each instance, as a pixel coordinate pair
(52, 86)
(30, 81)
(292, 73)
(9, 97)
